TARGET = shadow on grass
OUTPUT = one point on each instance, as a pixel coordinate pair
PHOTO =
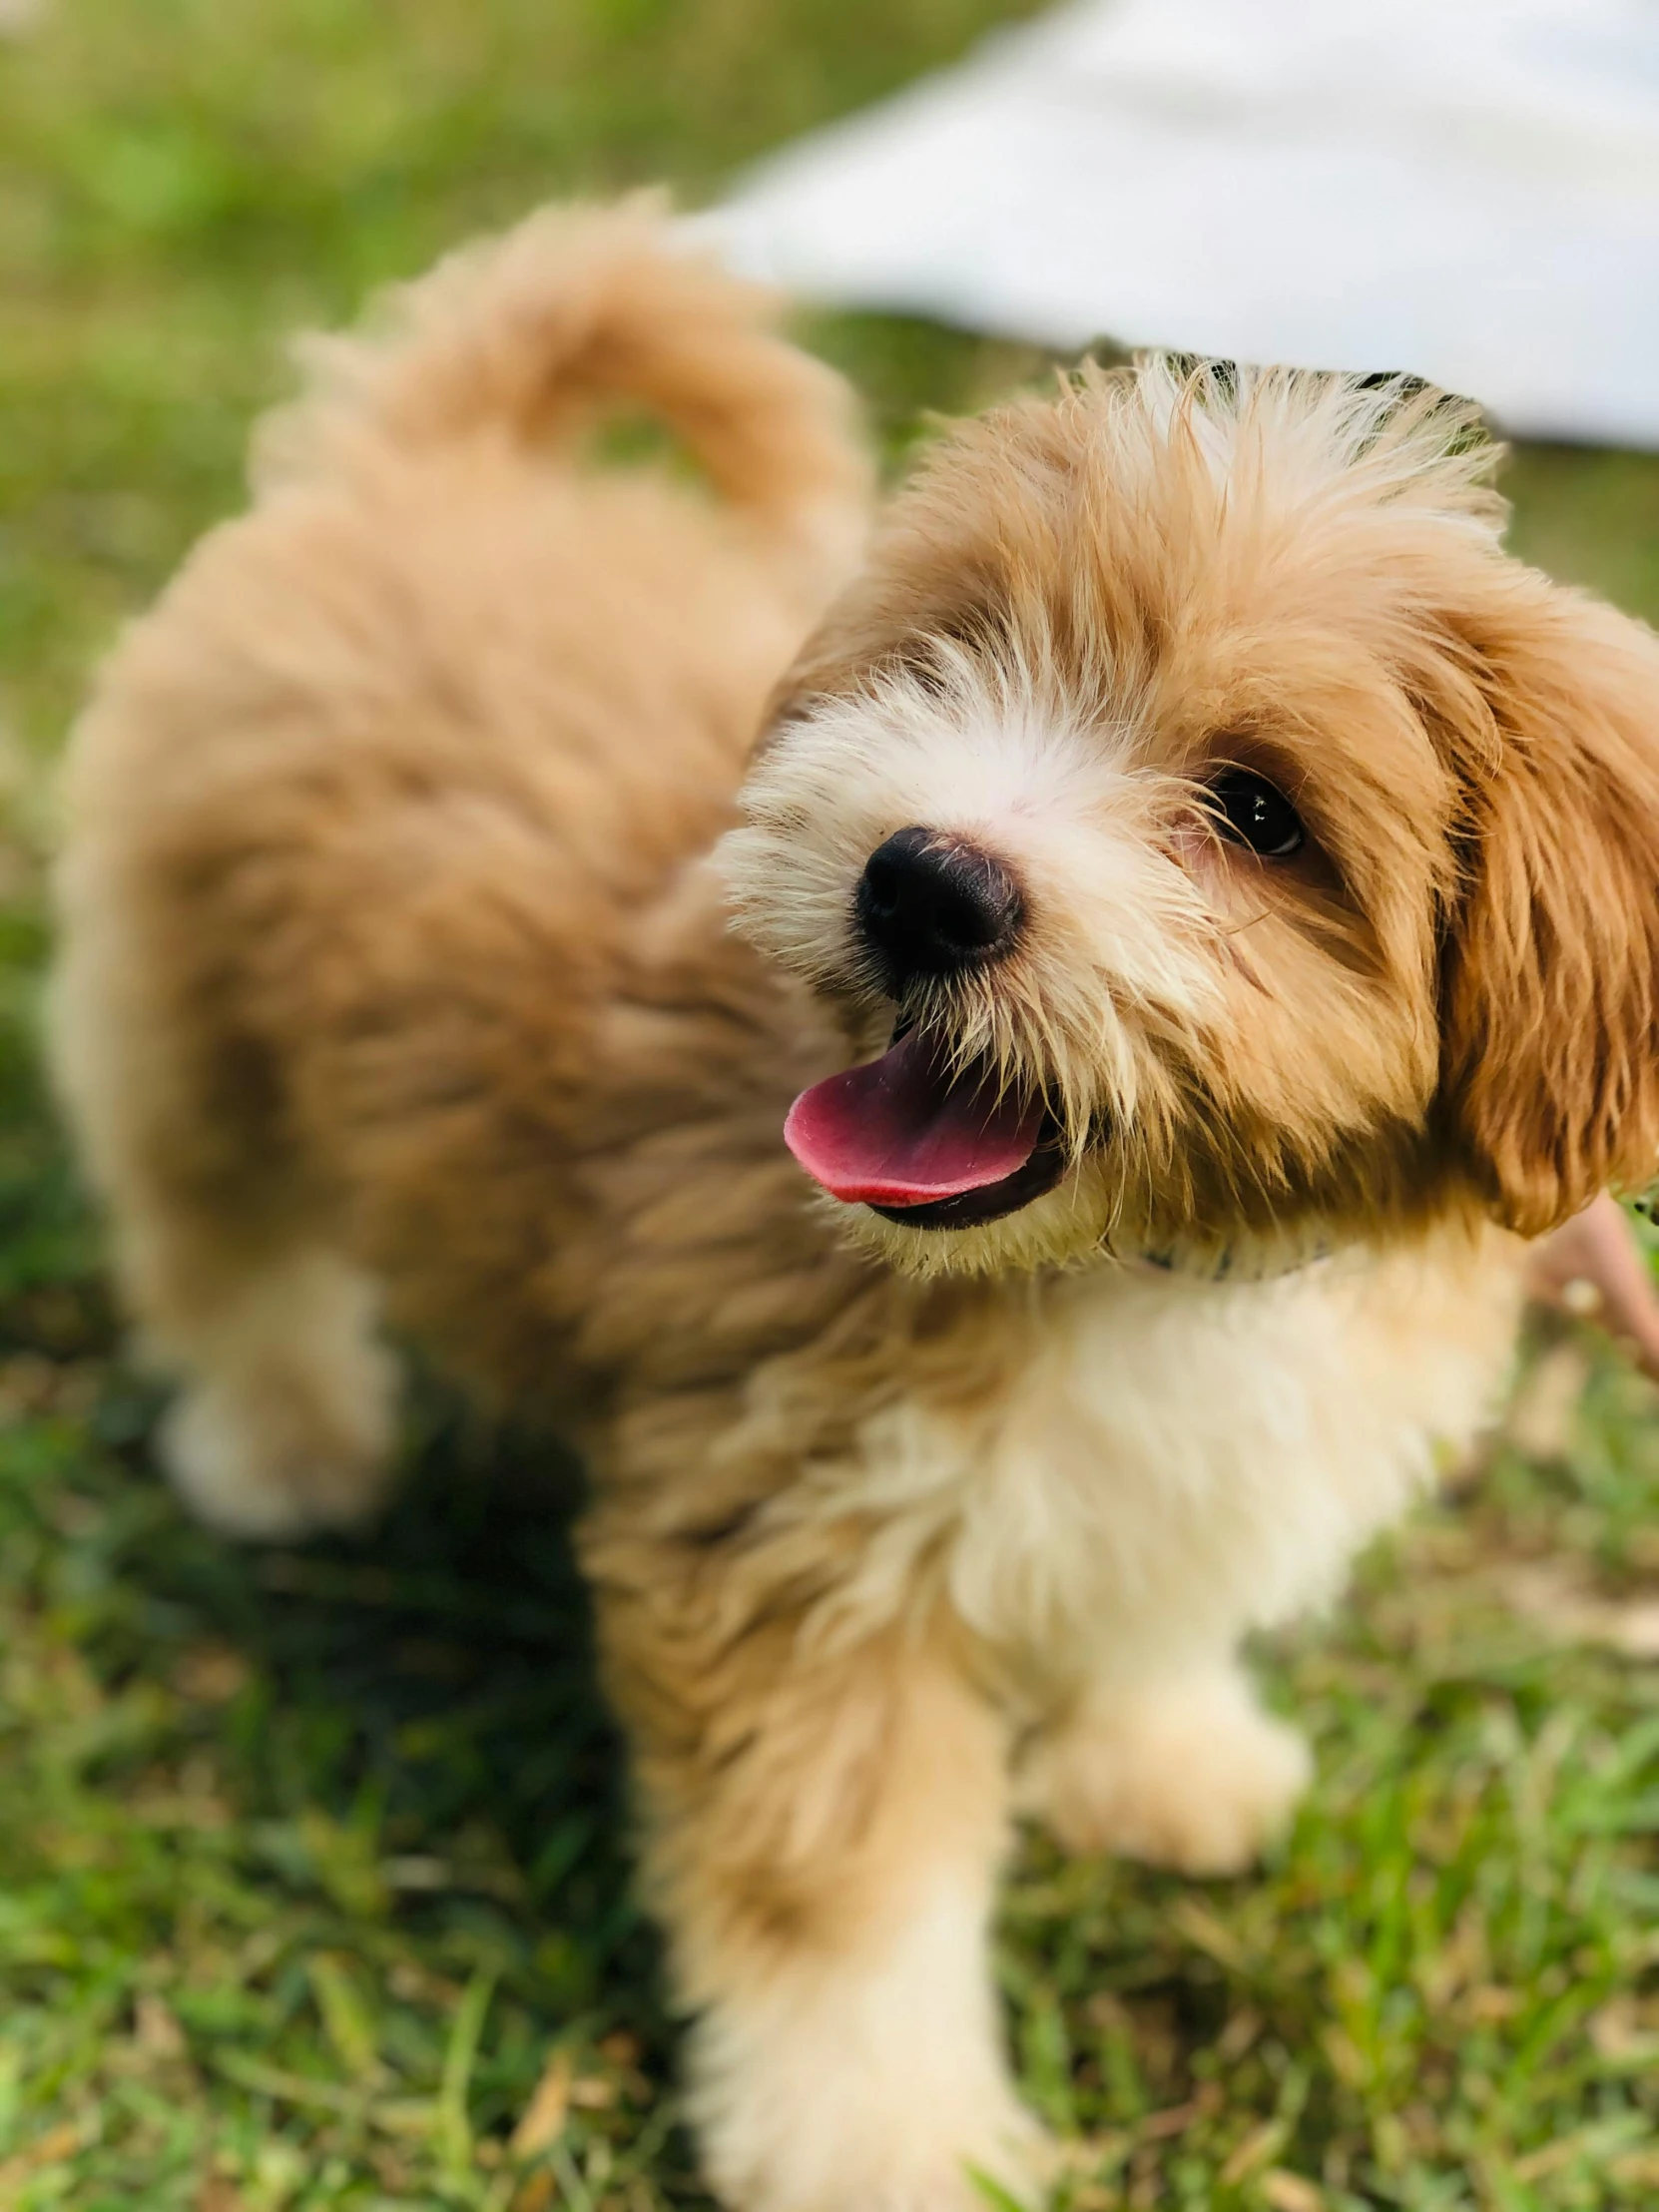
(429, 1685)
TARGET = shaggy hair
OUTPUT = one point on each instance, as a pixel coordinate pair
(1080, 613)
(398, 987)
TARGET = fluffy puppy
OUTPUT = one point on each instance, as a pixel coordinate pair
(1199, 894)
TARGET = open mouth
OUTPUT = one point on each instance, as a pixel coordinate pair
(921, 1144)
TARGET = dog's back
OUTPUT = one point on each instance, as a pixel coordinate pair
(371, 815)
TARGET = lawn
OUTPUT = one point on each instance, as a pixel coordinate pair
(313, 1863)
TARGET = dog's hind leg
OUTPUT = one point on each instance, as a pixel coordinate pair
(284, 1415)
(284, 1418)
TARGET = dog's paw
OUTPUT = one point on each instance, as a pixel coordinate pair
(255, 1466)
(907, 2111)
(1193, 1776)
(1005, 2157)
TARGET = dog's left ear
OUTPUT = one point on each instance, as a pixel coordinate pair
(1550, 983)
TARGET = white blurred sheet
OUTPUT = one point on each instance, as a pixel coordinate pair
(1464, 188)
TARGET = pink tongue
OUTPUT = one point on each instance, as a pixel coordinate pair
(898, 1132)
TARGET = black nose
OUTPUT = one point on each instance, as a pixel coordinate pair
(932, 904)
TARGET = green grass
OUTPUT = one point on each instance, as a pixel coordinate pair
(310, 1858)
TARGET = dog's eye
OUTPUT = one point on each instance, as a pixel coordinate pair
(1253, 811)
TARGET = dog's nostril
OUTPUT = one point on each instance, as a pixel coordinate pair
(883, 886)
(928, 904)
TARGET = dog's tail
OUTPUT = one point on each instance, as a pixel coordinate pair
(528, 335)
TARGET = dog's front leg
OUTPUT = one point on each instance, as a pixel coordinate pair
(1183, 1769)
(824, 1824)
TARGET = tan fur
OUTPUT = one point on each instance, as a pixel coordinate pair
(397, 978)
(1305, 576)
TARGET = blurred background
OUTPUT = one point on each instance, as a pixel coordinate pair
(311, 1863)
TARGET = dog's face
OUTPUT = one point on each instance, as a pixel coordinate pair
(1213, 838)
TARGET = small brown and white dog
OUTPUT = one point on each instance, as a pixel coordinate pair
(1199, 894)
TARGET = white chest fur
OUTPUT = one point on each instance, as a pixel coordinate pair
(1182, 1460)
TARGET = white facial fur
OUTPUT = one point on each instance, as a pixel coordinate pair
(1132, 935)
(1123, 933)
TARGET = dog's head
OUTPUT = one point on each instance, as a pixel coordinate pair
(1213, 836)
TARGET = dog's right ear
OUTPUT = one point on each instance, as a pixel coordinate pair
(1550, 985)
(935, 580)
(827, 666)
(791, 701)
